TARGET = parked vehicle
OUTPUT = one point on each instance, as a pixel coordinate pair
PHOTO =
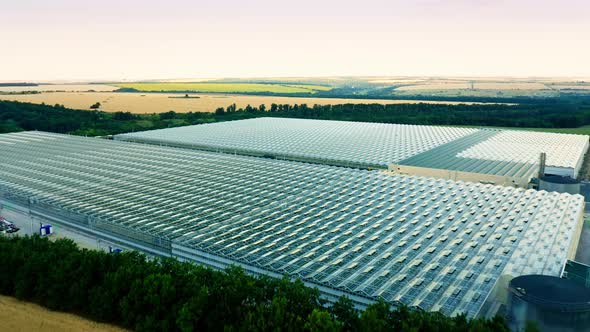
(7, 227)
(45, 230)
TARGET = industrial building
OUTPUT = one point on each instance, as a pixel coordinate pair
(504, 157)
(439, 245)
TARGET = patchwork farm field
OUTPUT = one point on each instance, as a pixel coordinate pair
(480, 93)
(22, 316)
(477, 89)
(163, 102)
(488, 88)
(476, 86)
(224, 87)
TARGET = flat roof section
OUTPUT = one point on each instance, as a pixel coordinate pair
(447, 156)
(341, 143)
(437, 244)
(563, 150)
(377, 145)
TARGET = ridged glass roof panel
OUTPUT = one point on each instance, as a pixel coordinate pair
(563, 150)
(363, 144)
(331, 142)
(436, 244)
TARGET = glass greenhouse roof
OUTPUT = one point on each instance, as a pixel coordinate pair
(364, 144)
(332, 142)
(437, 244)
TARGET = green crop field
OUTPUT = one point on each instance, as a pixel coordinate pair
(223, 87)
(310, 87)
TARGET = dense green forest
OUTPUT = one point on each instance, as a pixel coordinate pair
(132, 291)
(15, 116)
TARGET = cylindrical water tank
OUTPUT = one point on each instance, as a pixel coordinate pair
(554, 304)
(561, 184)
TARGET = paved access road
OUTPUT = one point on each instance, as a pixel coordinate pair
(29, 226)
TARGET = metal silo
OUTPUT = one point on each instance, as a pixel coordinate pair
(554, 304)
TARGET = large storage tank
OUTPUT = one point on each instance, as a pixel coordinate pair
(554, 304)
(561, 184)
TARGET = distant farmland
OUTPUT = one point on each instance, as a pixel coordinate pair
(477, 86)
(59, 87)
(163, 102)
(489, 89)
(224, 87)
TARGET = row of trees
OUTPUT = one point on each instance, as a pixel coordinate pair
(500, 115)
(15, 116)
(167, 295)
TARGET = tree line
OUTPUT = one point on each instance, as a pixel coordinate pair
(499, 115)
(16, 116)
(164, 294)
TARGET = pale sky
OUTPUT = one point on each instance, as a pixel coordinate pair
(130, 39)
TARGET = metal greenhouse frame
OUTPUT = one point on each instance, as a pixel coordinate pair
(435, 244)
(510, 153)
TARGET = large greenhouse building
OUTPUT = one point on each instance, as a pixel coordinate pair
(506, 157)
(439, 245)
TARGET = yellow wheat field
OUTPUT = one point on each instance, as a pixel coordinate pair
(160, 102)
(22, 316)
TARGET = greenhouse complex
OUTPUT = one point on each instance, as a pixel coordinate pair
(435, 244)
(505, 157)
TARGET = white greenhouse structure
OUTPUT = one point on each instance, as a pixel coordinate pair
(439, 245)
(509, 157)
